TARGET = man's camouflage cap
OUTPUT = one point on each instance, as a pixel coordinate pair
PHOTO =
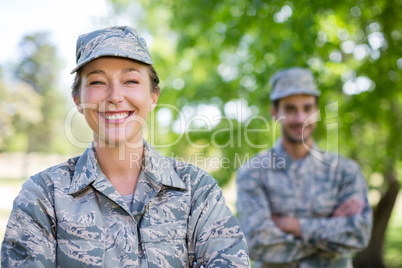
(119, 41)
(293, 81)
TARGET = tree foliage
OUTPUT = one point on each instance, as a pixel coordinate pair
(222, 53)
(19, 111)
(215, 52)
(40, 68)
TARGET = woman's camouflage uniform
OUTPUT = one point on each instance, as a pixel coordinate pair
(70, 215)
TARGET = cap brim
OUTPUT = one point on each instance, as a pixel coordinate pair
(111, 54)
(297, 91)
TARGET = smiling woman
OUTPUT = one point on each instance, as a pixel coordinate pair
(128, 206)
(115, 98)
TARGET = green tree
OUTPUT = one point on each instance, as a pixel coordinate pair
(222, 53)
(19, 112)
(40, 68)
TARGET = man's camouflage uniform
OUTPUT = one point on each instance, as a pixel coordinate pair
(272, 183)
(70, 215)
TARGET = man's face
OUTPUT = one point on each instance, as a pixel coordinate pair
(297, 116)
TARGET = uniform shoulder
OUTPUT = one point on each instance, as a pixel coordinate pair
(190, 173)
(341, 162)
(55, 173)
(349, 166)
(43, 184)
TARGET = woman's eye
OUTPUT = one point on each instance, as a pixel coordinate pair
(132, 82)
(96, 83)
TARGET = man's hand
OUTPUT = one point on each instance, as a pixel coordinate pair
(287, 224)
(348, 208)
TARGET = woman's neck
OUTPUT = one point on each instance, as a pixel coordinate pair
(121, 165)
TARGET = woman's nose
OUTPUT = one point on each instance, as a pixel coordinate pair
(115, 94)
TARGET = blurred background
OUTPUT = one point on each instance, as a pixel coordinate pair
(214, 59)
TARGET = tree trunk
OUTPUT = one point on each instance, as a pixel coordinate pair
(372, 256)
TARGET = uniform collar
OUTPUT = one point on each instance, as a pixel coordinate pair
(160, 168)
(156, 167)
(280, 154)
(86, 170)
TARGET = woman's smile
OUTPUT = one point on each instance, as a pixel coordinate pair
(116, 117)
(117, 98)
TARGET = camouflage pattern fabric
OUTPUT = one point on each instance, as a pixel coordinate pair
(70, 215)
(292, 81)
(119, 41)
(272, 183)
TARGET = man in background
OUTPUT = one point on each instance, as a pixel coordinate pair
(298, 206)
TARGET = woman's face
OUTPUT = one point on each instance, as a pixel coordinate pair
(115, 99)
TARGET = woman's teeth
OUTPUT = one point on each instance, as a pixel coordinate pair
(115, 116)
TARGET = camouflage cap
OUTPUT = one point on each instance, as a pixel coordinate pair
(119, 41)
(293, 81)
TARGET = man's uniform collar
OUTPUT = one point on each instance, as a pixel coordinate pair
(279, 152)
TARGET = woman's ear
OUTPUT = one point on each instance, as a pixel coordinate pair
(154, 100)
(77, 102)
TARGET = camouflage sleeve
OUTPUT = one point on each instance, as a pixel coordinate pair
(267, 243)
(342, 234)
(217, 240)
(30, 240)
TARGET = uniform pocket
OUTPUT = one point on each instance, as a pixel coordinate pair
(78, 230)
(79, 245)
(165, 244)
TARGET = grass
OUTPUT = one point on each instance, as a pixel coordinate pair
(393, 239)
(4, 213)
(12, 182)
